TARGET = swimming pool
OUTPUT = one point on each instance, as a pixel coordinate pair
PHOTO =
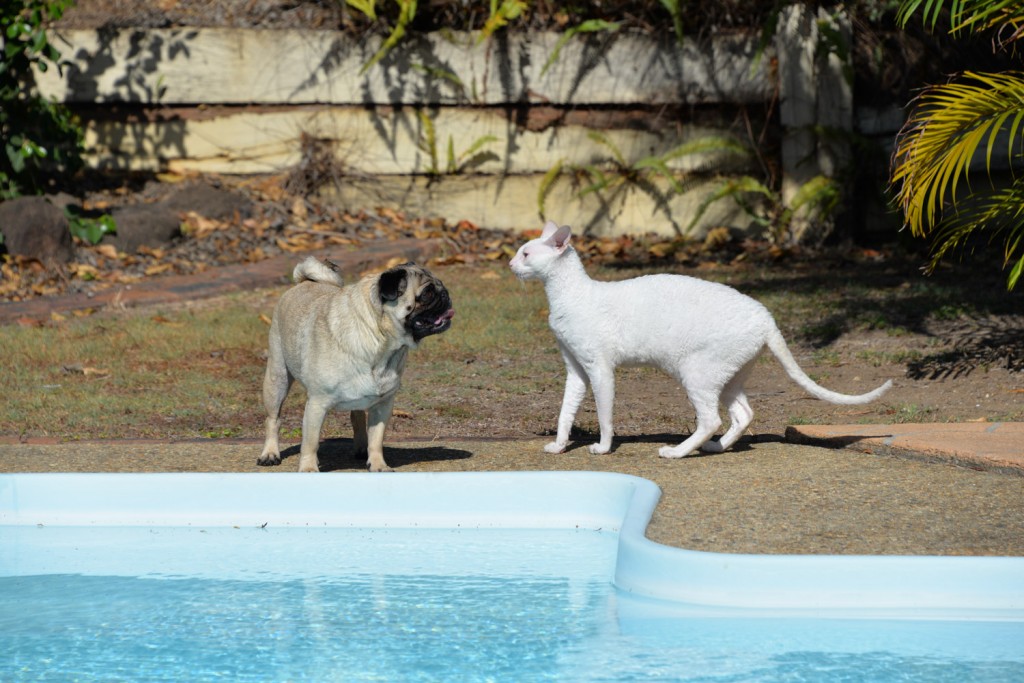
(475, 576)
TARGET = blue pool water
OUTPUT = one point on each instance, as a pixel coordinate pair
(399, 578)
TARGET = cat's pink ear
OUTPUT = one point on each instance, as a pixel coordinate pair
(549, 229)
(561, 237)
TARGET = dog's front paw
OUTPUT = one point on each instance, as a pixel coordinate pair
(269, 458)
(379, 467)
(307, 464)
(554, 447)
(598, 449)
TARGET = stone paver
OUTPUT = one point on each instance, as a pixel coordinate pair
(983, 445)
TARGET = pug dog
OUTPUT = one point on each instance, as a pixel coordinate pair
(347, 345)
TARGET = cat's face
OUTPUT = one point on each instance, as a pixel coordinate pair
(536, 258)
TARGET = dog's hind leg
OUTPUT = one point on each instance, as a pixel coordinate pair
(276, 384)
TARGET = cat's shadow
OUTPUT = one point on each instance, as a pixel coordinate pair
(745, 443)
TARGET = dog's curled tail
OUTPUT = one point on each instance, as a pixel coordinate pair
(312, 268)
(781, 350)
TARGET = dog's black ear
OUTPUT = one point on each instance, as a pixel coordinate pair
(392, 283)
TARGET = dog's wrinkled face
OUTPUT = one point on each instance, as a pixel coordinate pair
(422, 302)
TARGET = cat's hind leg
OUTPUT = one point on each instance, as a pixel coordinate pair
(740, 413)
(705, 403)
(740, 417)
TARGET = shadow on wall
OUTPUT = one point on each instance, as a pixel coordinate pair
(138, 83)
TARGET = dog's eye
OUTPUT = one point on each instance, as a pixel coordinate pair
(427, 295)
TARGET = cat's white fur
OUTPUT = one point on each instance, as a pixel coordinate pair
(704, 334)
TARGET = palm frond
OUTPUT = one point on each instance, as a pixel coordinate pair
(945, 134)
(963, 15)
(998, 212)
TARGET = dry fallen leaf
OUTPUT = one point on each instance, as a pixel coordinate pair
(108, 250)
(166, 321)
(299, 209)
(264, 318)
(79, 369)
(84, 271)
(159, 268)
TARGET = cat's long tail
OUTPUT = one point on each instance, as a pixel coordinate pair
(778, 346)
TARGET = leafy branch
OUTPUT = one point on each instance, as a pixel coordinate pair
(40, 139)
(957, 125)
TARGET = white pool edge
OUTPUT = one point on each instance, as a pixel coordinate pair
(969, 587)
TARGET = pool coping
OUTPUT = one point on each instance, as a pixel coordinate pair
(843, 585)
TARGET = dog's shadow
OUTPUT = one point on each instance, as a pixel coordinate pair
(338, 455)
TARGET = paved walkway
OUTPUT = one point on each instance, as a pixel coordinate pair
(980, 445)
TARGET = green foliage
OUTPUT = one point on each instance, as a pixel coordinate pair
(501, 14)
(40, 139)
(474, 155)
(955, 126)
(818, 199)
(589, 26)
(90, 230)
(616, 171)
(367, 7)
(406, 13)
(675, 10)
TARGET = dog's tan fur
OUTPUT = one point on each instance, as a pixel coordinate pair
(347, 345)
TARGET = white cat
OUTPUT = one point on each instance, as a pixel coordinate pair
(704, 334)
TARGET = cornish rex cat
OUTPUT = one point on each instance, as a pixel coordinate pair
(704, 334)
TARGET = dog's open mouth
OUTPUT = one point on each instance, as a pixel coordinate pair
(426, 325)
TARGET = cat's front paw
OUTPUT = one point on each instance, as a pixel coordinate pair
(555, 447)
(598, 449)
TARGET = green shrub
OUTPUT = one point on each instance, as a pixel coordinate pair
(40, 139)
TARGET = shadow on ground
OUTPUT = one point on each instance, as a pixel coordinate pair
(337, 455)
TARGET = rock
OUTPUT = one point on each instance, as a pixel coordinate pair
(155, 225)
(143, 225)
(209, 202)
(35, 228)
